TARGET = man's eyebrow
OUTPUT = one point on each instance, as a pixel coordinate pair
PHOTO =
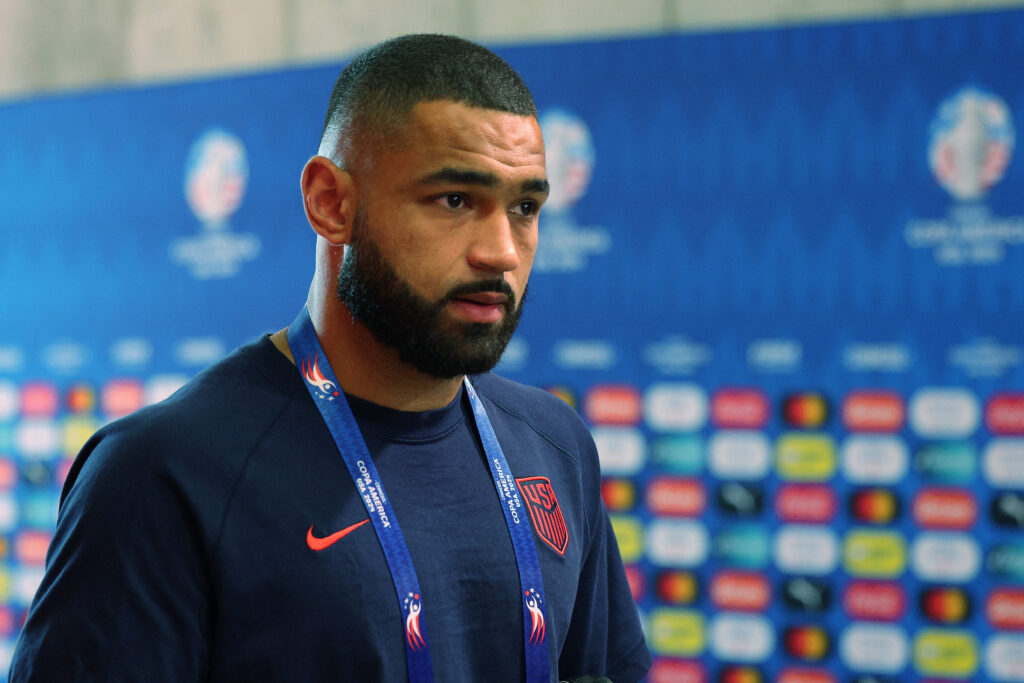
(461, 176)
(537, 185)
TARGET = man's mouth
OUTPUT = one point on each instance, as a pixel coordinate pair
(479, 307)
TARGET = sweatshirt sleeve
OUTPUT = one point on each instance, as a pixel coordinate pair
(125, 594)
(604, 636)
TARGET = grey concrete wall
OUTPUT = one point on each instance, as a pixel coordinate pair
(48, 45)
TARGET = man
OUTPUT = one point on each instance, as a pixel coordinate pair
(337, 502)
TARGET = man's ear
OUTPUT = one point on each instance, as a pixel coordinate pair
(329, 197)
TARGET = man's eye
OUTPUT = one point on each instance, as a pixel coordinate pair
(525, 208)
(453, 201)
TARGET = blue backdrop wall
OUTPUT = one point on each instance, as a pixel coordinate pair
(781, 275)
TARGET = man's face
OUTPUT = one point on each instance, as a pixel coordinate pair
(445, 235)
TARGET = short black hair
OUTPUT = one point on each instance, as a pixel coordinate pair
(379, 87)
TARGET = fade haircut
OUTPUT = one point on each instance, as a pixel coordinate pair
(377, 90)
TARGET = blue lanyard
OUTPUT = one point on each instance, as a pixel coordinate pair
(326, 392)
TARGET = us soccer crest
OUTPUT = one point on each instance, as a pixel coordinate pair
(545, 513)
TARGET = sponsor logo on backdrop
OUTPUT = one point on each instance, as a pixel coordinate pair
(618, 494)
(740, 500)
(1004, 608)
(740, 591)
(874, 648)
(873, 411)
(985, 358)
(131, 351)
(746, 638)
(613, 404)
(805, 676)
(564, 246)
(199, 351)
(805, 549)
(677, 587)
(775, 355)
(676, 632)
(677, 543)
(65, 357)
(120, 397)
(949, 654)
(1003, 462)
(944, 413)
(870, 459)
(216, 174)
(675, 497)
(620, 450)
(740, 409)
(1004, 657)
(874, 506)
(874, 554)
(942, 557)
(864, 357)
(814, 503)
(677, 671)
(37, 439)
(739, 455)
(742, 545)
(679, 454)
(1006, 561)
(874, 600)
(945, 605)
(945, 509)
(802, 594)
(1008, 509)
(39, 399)
(808, 643)
(677, 355)
(972, 141)
(805, 457)
(584, 354)
(950, 462)
(1004, 413)
(672, 407)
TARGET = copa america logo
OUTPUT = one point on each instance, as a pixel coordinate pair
(972, 139)
(570, 157)
(216, 174)
(566, 246)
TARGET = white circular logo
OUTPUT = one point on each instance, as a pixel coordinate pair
(570, 157)
(972, 139)
(216, 173)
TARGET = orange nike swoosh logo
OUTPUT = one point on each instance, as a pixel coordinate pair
(319, 544)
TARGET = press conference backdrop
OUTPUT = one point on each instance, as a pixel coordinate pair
(781, 275)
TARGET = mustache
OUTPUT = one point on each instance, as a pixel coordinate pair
(496, 285)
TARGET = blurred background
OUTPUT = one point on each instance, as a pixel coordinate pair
(781, 276)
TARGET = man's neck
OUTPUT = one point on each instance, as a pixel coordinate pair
(369, 370)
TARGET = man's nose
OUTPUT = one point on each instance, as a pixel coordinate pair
(494, 247)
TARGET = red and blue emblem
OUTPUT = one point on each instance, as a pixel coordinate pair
(413, 607)
(537, 626)
(311, 373)
(545, 513)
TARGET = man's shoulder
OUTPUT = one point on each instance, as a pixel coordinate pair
(226, 408)
(544, 411)
(230, 390)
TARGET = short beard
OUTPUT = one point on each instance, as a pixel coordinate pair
(377, 296)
